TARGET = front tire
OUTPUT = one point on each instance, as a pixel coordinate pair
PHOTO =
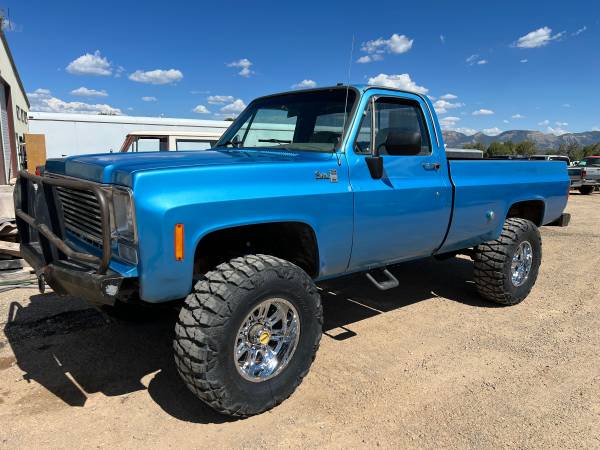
(506, 268)
(228, 339)
(586, 190)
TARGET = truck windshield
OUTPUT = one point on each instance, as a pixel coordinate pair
(312, 121)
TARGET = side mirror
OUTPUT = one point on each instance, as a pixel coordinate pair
(375, 165)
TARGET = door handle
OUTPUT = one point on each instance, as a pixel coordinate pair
(431, 166)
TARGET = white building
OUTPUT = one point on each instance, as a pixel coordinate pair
(13, 113)
(76, 134)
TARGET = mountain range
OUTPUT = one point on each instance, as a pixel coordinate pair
(543, 141)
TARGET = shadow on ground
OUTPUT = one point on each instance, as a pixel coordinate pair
(80, 352)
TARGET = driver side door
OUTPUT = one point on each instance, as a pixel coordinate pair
(405, 214)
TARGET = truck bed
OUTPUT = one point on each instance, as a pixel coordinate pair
(485, 189)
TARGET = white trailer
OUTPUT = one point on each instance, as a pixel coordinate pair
(76, 134)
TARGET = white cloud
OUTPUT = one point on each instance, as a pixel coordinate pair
(561, 124)
(483, 112)
(506, 121)
(243, 64)
(517, 116)
(235, 107)
(85, 92)
(595, 128)
(442, 39)
(538, 38)
(492, 131)
(475, 59)
(401, 81)
(42, 100)
(90, 64)
(450, 121)
(544, 123)
(149, 98)
(449, 124)
(305, 84)
(396, 44)
(449, 97)
(157, 76)
(369, 58)
(557, 131)
(465, 130)
(566, 105)
(442, 106)
(201, 109)
(220, 99)
(579, 31)
(119, 71)
(524, 60)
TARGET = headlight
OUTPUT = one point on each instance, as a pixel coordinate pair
(122, 212)
(123, 225)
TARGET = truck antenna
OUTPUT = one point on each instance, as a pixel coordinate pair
(347, 91)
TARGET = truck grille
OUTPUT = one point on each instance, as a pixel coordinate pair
(81, 214)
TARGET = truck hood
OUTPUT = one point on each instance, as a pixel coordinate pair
(118, 168)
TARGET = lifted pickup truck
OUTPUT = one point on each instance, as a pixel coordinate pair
(303, 187)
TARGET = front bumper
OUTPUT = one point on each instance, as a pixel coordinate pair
(67, 278)
(66, 269)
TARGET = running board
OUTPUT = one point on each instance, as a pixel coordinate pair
(391, 282)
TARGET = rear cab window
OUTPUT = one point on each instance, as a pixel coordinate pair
(192, 144)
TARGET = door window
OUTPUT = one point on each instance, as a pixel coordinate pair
(400, 129)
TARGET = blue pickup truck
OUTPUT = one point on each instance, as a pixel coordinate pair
(304, 186)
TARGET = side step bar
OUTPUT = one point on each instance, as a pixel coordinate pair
(391, 282)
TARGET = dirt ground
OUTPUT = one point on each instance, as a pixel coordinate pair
(425, 365)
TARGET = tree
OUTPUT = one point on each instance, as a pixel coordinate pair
(500, 149)
(525, 148)
(574, 151)
(475, 145)
(510, 147)
(591, 150)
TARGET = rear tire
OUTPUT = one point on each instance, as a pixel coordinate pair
(501, 276)
(207, 344)
(586, 190)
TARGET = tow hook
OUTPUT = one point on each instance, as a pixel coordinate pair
(41, 283)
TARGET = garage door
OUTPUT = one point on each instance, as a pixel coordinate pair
(4, 132)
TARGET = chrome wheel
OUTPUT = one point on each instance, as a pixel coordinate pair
(521, 263)
(267, 339)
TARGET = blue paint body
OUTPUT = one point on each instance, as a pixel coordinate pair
(359, 222)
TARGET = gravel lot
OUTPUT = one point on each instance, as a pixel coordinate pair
(425, 365)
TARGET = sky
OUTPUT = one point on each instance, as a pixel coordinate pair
(488, 66)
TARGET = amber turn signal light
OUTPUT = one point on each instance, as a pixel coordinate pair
(178, 241)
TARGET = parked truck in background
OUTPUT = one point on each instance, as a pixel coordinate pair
(585, 176)
(303, 187)
(164, 141)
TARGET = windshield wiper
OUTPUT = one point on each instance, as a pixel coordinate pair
(275, 141)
